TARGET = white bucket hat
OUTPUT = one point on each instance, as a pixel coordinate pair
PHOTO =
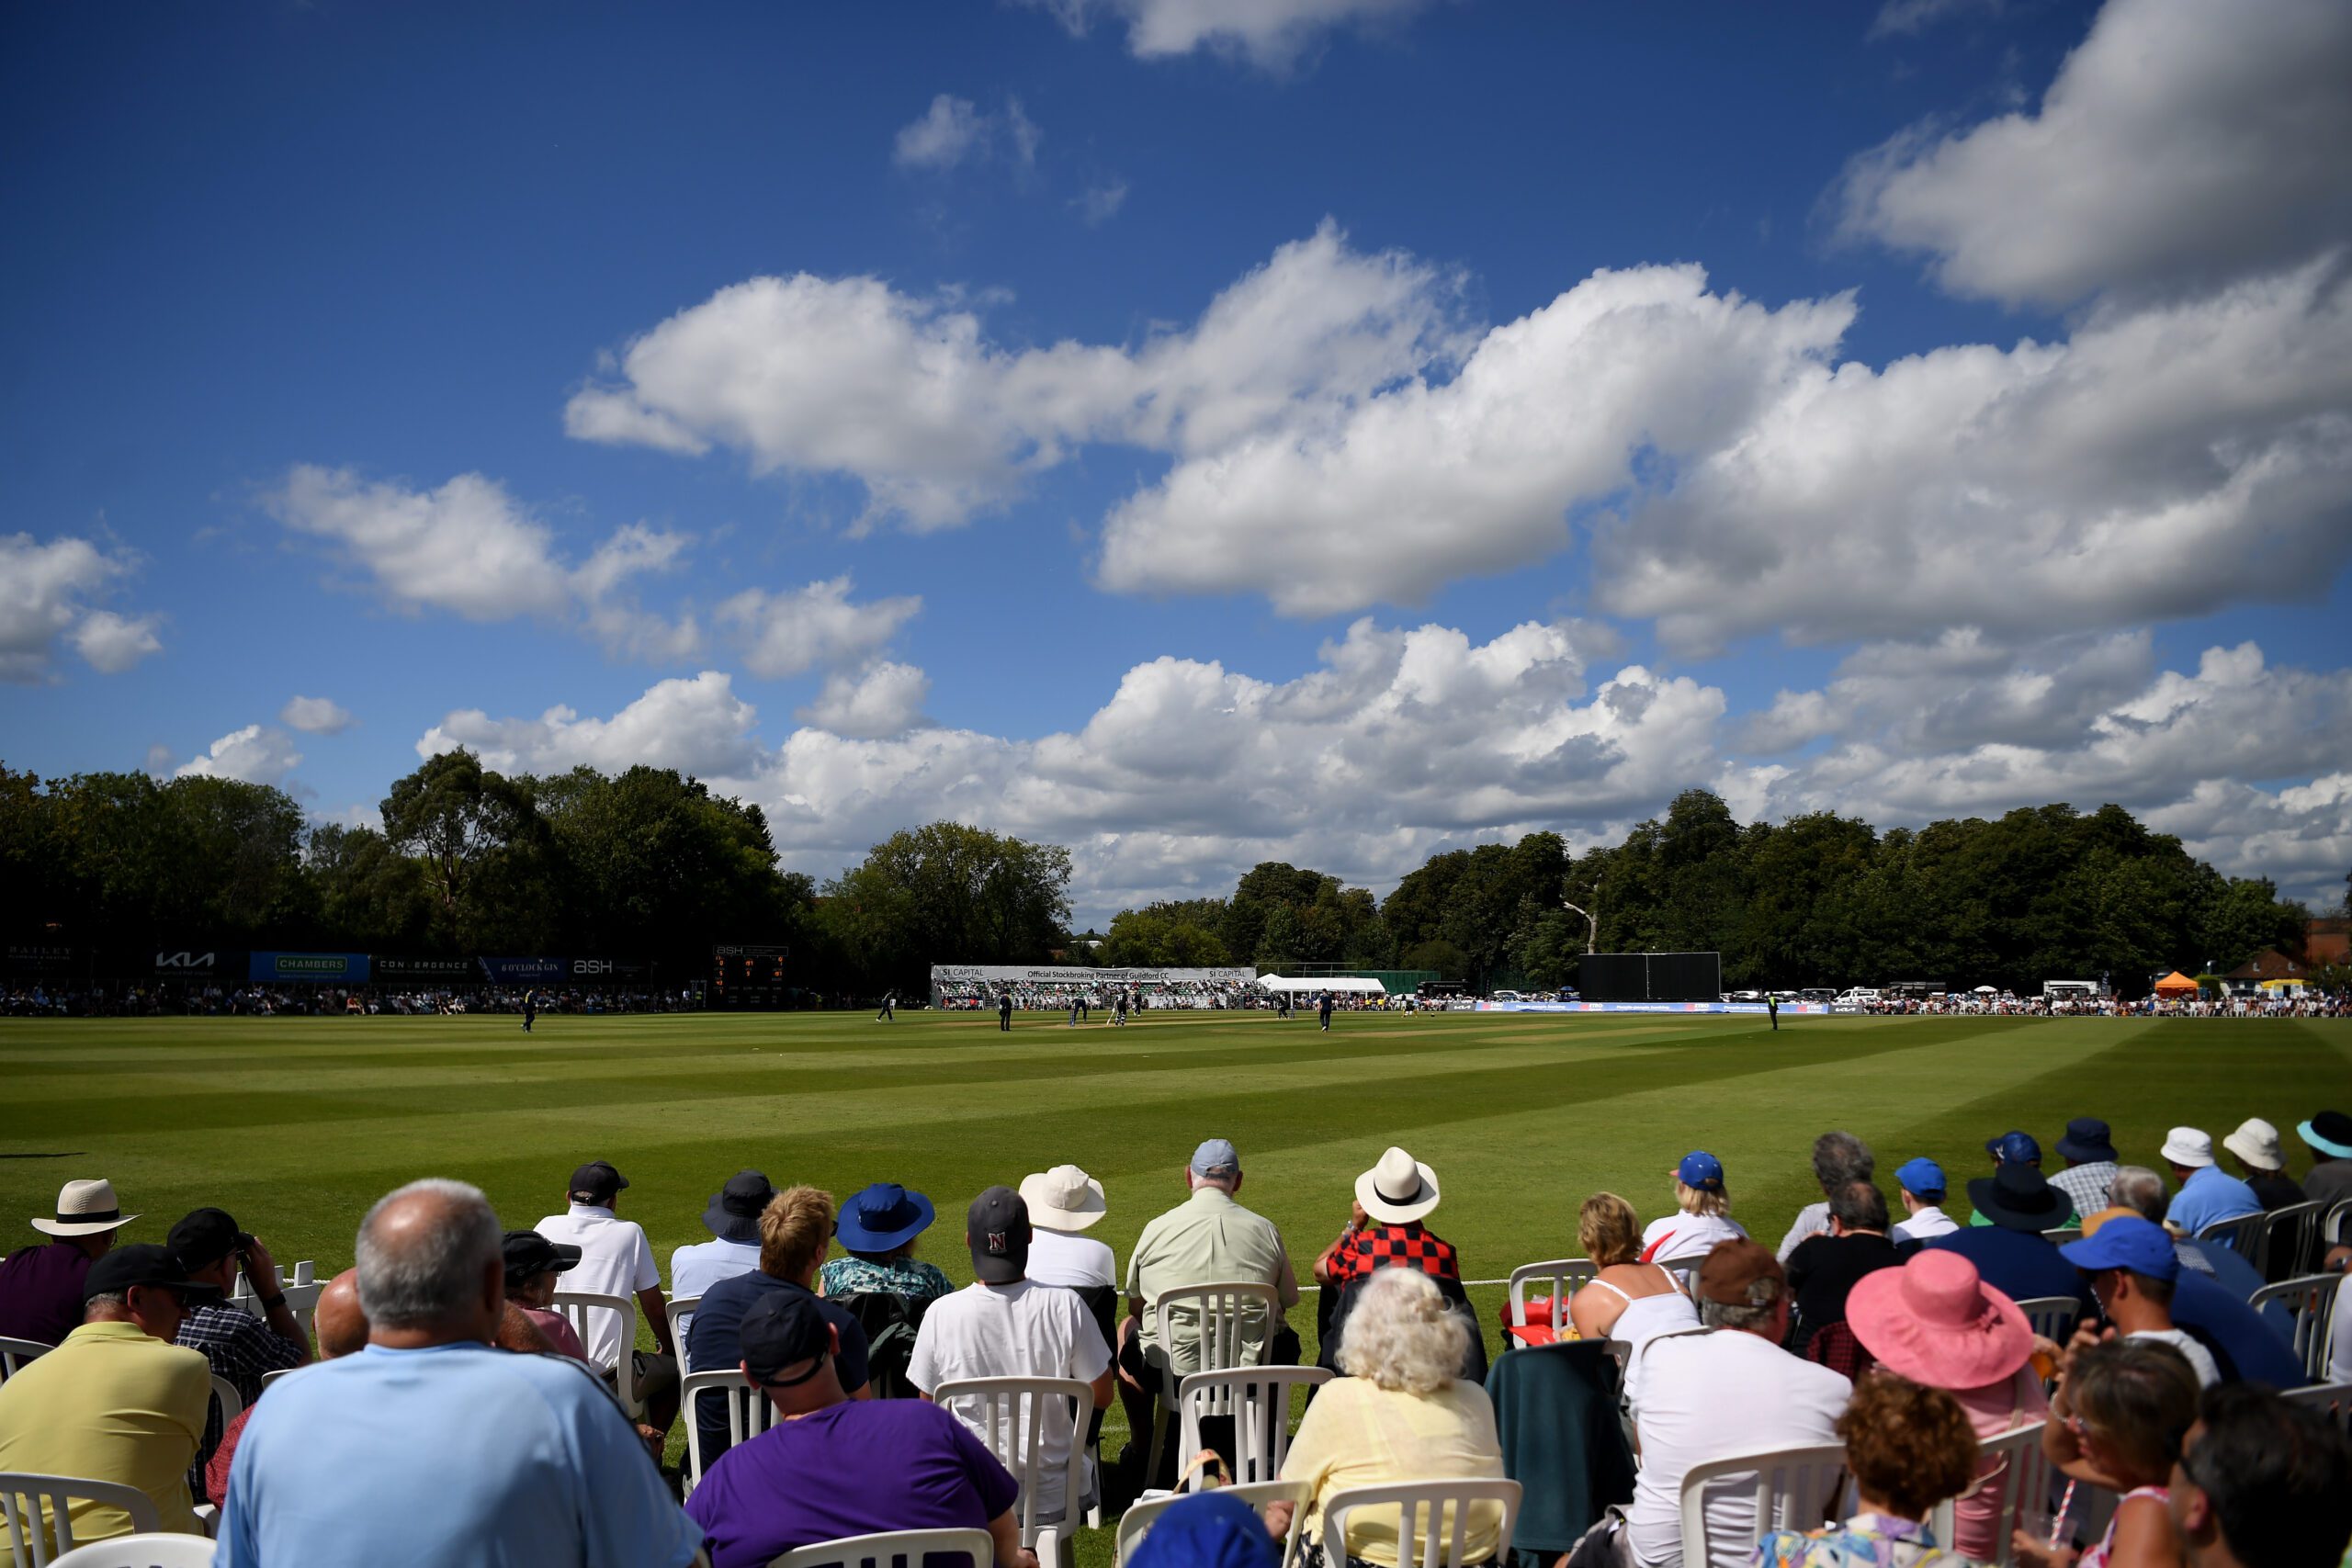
(1398, 1189)
(1063, 1198)
(2187, 1146)
(84, 1208)
(2256, 1143)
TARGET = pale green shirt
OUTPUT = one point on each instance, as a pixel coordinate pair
(1209, 1239)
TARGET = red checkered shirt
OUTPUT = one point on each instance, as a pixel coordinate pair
(1385, 1246)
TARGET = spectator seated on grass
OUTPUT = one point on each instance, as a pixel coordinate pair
(1064, 1203)
(2132, 1270)
(733, 1218)
(342, 1329)
(41, 1286)
(1922, 1184)
(1825, 1267)
(1702, 1216)
(795, 1229)
(1706, 1396)
(878, 1228)
(2089, 1149)
(2260, 1481)
(2242, 1341)
(243, 1350)
(428, 1446)
(616, 1260)
(2116, 1420)
(1628, 1300)
(1839, 1159)
(1935, 1323)
(2208, 1193)
(535, 1269)
(1909, 1447)
(1007, 1326)
(117, 1401)
(1401, 1413)
(835, 1466)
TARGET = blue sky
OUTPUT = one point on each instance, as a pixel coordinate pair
(319, 327)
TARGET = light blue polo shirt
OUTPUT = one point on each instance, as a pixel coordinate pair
(2210, 1193)
(460, 1456)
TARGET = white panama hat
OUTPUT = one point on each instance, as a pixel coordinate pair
(1398, 1189)
(85, 1208)
(2188, 1146)
(2256, 1143)
(1063, 1198)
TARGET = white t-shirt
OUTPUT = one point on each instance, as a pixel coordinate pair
(695, 1269)
(2199, 1358)
(1707, 1396)
(1688, 1235)
(614, 1261)
(1930, 1221)
(1070, 1258)
(1021, 1330)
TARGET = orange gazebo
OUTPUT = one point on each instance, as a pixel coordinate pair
(2175, 984)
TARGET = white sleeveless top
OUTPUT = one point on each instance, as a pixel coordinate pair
(1643, 1319)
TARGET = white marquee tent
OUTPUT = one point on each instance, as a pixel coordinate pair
(1338, 984)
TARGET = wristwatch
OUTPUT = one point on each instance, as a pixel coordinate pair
(271, 1303)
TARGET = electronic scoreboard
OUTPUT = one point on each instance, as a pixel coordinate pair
(744, 978)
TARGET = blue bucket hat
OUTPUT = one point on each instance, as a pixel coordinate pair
(2126, 1242)
(1701, 1171)
(1208, 1529)
(1922, 1179)
(2088, 1141)
(882, 1218)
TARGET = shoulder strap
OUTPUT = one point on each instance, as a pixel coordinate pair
(1613, 1291)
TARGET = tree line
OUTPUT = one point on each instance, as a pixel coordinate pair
(649, 864)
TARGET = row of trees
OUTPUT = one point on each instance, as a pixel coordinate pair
(651, 865)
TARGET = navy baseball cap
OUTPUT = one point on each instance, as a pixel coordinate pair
(2126, 1242)
(1701, 1171)
(997, 1229)
(1922, 1179)
(597, 1182)
(2014, 1148)
(783, 1329)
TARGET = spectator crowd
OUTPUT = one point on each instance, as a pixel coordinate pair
(452, 1410)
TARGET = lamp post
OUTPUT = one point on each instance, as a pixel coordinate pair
(1591, 926)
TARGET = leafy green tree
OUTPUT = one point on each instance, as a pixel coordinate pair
(945, 893)
(484, 849)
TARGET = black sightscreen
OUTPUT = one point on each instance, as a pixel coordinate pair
(1651, 977)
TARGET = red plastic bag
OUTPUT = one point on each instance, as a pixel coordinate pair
(1538, 1329)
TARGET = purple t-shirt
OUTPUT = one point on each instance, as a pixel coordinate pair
(40, 1291)
(851, 1469)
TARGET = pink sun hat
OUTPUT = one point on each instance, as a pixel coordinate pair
(1935, 1321)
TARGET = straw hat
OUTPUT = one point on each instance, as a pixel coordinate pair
(84, 1208)
(1935, 1321)
(1063, 1198)
(1397, 1190)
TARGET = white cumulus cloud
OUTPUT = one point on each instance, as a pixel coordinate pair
(255, 754)
(1271, 34)
(315, 716)
(696, 725)
(46, 594)
(885, 700)
(819, 625)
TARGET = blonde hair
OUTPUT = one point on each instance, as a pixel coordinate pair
(1401, 1336)
(1609, 1230)
(795, 1229)
(1693, 1200)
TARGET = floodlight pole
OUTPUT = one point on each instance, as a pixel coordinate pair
(1591, 926)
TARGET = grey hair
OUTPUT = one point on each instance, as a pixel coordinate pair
(1839, 1158)
(1763, 1296)
(106, 1299)
(1401, 1334)
(432, 1275)
(2137, 1188)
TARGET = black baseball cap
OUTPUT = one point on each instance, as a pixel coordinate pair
(997, 1230)
(529, 1254)
(596, 1182)
(141, 1263)
(205, 1237)
(783, 1329)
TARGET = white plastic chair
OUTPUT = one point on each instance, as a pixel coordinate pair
(1795, 1489)
(2333, 1400)
(1258, 1399)
(576, 1306)
(1211, 1318)
(2021, 1484)
(2061, 1235)
(892, 1549)
(2337, 1226)
(1422, 1507)
(750, 1412)
(2053, 1318)
(1015, 1417)
(1141, 1515)
(225, 1395)
(37, 1511)
(2242, 1235)
(2290, 1233)
(15, 1353)
(159, 1550)
(301, 1295)
(2311, 1302)
(1565, 1276)
(269, 1378)
(681, 1309)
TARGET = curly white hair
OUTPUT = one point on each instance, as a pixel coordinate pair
(1402, 1336)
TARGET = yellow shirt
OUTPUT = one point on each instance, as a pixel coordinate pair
(1358, 1434)
(1208, 1240)
(114, 1403)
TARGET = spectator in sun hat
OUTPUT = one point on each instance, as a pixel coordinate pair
(2143, 1192)
(2208, 1193)
(116, 1400)
(732, 1217)
(1702, 1213)
(1208, 1529)
(2242, 1342)
(41, 1285)
(2089, 1149)
(1922, 1182)
(2010, 1251)
(2255, 1146)
(1007, 1326)
(2133, 1272)
(1386, 1230)
(210, 1247)
(877, 1229)
(533, 1266)
(616, 1260)
(1937, 1323)
(2021, 1149)
(1064, 1204)
(2329, 1137)
(2261, 1481)
(1838, 1158)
